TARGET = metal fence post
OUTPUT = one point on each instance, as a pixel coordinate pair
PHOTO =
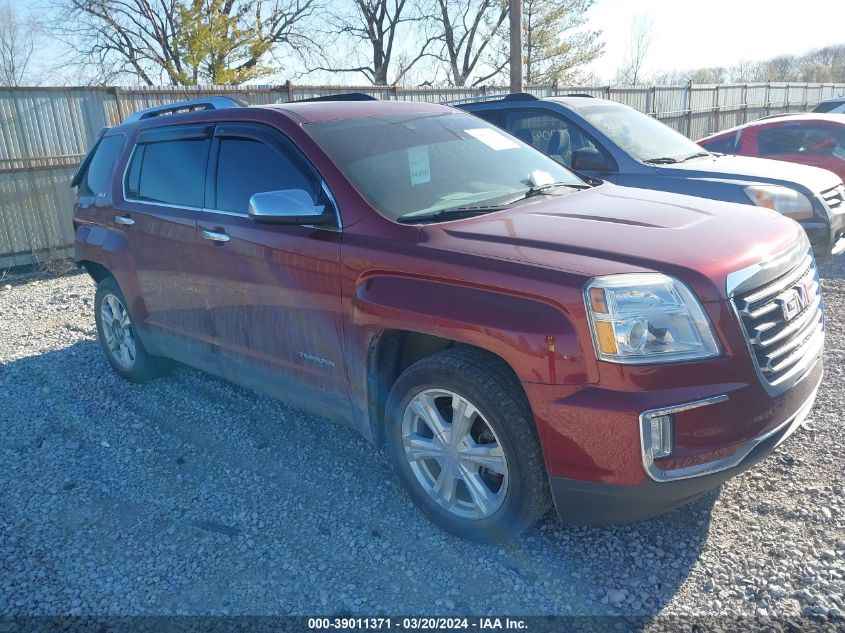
(744, 105)
(768, 98)
(689, 109)
(120, 115)
(289, 89)
(717, 119)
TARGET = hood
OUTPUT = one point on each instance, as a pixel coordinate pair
(746, 168)
(612, 229)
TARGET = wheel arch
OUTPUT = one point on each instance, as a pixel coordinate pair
(391, 351)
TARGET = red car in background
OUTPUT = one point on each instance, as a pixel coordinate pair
(807, 138)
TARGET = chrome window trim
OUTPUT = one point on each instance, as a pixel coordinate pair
(126, 198)
(659, 475)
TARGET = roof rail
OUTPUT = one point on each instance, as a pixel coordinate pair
(581, 94)
(342, 96)
(204, 103)
(782, 114)
(516, 96)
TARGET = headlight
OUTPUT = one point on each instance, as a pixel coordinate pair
(789, 202)
(647, 318)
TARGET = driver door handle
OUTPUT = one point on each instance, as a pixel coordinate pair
(125, 220)
(215, 236)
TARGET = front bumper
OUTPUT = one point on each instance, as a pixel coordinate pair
(591, 503)
(826, 231)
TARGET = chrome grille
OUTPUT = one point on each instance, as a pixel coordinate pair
(834, 197)
(784, 322)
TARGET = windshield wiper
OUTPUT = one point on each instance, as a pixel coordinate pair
(696, 155)
(534, 191)
(453, 213)
(662, 160)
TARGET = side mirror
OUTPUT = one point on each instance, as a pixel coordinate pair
(589, 159)
(288, 206)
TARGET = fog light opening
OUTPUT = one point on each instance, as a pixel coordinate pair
(661, 432)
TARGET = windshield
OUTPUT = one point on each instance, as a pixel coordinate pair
(640, 135)
(416, 163)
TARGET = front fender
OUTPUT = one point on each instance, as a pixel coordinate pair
(535, 337)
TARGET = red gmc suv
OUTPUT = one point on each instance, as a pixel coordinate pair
(511, 333)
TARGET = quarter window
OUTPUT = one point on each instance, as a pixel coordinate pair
(724, 145)
(247, 166)
(169, 172)
(98, 174)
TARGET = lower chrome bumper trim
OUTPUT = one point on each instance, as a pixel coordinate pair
(708, 468)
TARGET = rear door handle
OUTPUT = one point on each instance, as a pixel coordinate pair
(215, 236)
(125, 220)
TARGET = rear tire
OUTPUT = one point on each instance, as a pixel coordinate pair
(462, 439)
(118, 335)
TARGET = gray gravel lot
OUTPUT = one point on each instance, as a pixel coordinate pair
(192, 496)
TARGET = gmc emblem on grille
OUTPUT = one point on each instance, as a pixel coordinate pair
(793, 301)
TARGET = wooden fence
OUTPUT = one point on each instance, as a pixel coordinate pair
(45, 131)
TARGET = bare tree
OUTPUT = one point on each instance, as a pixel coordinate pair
(379, 39)
(18, 40)
(179, 41)
(631, 73)
(556, 44)
(468, 30)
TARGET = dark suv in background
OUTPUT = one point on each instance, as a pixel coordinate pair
(610, 141)
(511, 334)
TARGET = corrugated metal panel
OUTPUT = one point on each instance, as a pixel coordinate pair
(45, 131)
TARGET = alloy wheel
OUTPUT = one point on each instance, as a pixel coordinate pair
(117, 330)
(454, 454)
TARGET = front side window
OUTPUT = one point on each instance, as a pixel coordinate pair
(169, 172)
(549, 133)
(779, 140)
(643, 137)
(813, 140)
(246, 166)
(423, 162)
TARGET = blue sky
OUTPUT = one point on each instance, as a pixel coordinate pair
(685, 34)
(690, 35)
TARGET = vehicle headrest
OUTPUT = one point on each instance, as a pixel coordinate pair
(559, 142)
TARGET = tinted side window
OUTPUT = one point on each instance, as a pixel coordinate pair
(724, 145)
(247, 166)
(830, 106)
(170, 172)
(548, 133)
(98, 174)
(780, 140)
(822, 140)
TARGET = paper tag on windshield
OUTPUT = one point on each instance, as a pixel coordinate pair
(492, 138)
(418, 165)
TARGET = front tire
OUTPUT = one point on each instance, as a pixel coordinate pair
(462, 439)
(118, 335)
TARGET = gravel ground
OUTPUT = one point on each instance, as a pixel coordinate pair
(189, 495)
